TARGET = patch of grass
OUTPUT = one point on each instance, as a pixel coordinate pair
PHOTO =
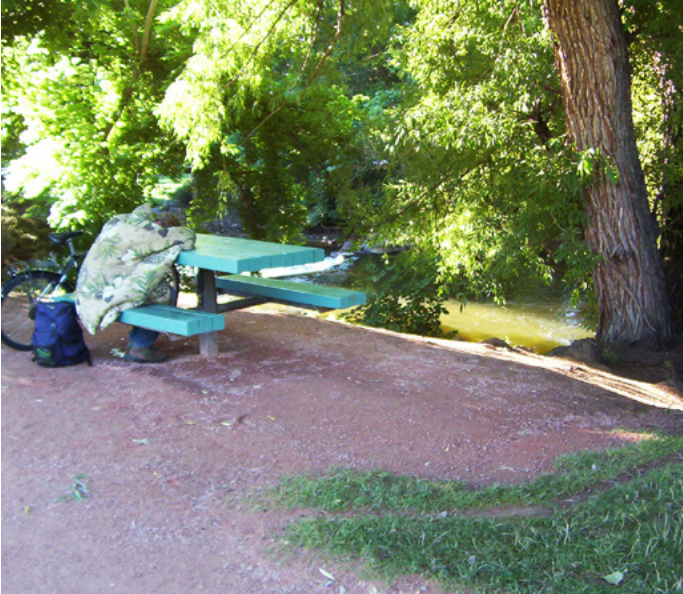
(78, 491)
(632, 527)
(342, 489)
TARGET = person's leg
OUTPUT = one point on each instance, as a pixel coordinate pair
(140, 346)
(141, 337)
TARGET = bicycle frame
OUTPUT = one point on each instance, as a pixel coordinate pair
(63, 275)
(71, 262)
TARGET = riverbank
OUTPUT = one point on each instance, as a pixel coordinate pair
(546, 324)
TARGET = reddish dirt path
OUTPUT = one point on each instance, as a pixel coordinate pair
(172, 454)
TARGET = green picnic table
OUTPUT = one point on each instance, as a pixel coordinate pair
(230, 257)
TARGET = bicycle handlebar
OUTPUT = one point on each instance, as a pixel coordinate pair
(62, 238)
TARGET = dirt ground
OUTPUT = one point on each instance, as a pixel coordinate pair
(176, 456)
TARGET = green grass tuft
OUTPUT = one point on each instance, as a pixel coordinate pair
(78, 491)
(342, 489)
(629, 529)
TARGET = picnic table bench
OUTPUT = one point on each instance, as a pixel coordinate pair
(262, 290)
(173, 320)
(256, 290)
(191, 322)
(167, 318)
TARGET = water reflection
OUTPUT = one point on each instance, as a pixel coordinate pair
(540, 321)
(538, 325)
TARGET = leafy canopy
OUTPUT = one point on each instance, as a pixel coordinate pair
(429, 124)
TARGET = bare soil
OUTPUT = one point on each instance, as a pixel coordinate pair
(176, 457)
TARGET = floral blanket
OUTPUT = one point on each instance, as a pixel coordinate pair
(126, 265)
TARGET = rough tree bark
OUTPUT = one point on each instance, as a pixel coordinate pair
(591, 50)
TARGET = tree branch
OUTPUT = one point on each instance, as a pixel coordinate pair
(260, 43)
(127, 93)
(328, 51)
(340, 18)
(148, 29)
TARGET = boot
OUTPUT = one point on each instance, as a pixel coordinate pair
(144, 355)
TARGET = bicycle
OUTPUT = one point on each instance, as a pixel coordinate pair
(24, 290)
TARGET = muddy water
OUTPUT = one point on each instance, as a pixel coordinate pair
(540, 324)
(540, 321)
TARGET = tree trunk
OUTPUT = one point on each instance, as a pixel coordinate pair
(592, 56)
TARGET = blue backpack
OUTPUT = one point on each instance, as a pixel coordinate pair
(57, 339)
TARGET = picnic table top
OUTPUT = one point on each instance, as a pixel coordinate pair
(235, 255)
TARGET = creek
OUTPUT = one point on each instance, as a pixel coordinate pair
(539, 320)
(538, 324)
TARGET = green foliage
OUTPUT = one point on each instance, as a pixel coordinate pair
(83, 117)
(478, 169)
(427, 123)
(24, 233)
(592, 164)
(60, 19)
(628, 531)
(633, 529)
(78, 491)
(657, 58)
(342, 489)
(657, 55)
(263, 108)
(405, 296)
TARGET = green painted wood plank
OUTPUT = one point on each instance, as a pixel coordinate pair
(250, 247)
(291, 292)
(219, 261)
(166, 318)
(235, 255)
(234, 248)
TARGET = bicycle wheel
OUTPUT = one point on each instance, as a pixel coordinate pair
(19, 295)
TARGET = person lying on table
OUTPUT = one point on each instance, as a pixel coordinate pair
(125, 268)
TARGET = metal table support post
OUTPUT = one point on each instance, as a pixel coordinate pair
(206, 285)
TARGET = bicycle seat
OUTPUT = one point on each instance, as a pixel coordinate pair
(62, 238)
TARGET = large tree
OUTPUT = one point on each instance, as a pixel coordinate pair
(592, 58)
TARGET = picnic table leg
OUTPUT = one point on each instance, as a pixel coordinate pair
(206, 286)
